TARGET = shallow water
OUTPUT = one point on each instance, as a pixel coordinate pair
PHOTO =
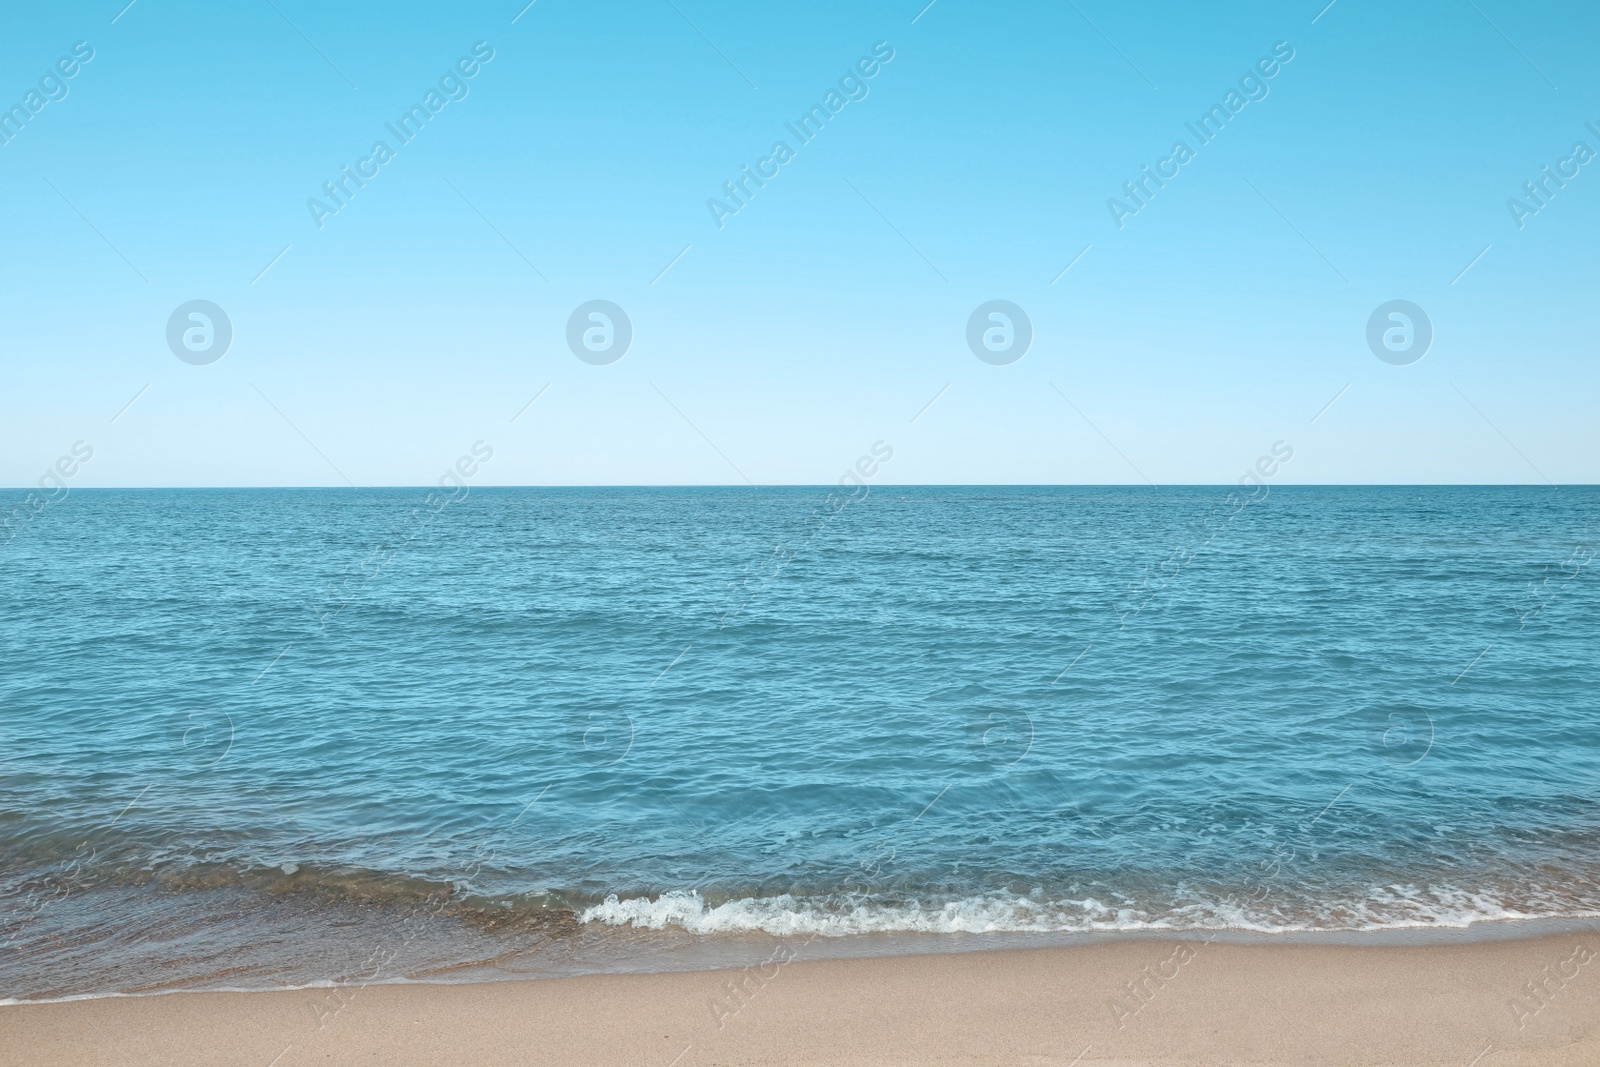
(268, 737)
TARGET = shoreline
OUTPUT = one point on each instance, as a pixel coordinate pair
(724, 951)
(1130, 1001)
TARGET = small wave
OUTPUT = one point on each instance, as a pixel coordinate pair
(787, 915)
(1388, 908)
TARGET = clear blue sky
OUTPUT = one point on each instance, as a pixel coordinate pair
(1220, 318)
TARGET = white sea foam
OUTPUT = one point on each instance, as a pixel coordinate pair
(1385, 908)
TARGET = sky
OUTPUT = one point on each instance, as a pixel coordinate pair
(970, 153)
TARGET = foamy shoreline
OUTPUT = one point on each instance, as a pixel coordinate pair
(740, 950)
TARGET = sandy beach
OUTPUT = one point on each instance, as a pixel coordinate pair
(1488, 1003)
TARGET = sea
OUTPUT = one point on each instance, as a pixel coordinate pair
(275, 738)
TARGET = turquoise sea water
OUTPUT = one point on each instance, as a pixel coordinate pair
(264, 737)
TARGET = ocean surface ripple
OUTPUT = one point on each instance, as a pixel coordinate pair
(249, 735)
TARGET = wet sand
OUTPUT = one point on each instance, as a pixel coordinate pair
(1504, 1003)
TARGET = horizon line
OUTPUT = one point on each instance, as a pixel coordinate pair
(824, 485)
